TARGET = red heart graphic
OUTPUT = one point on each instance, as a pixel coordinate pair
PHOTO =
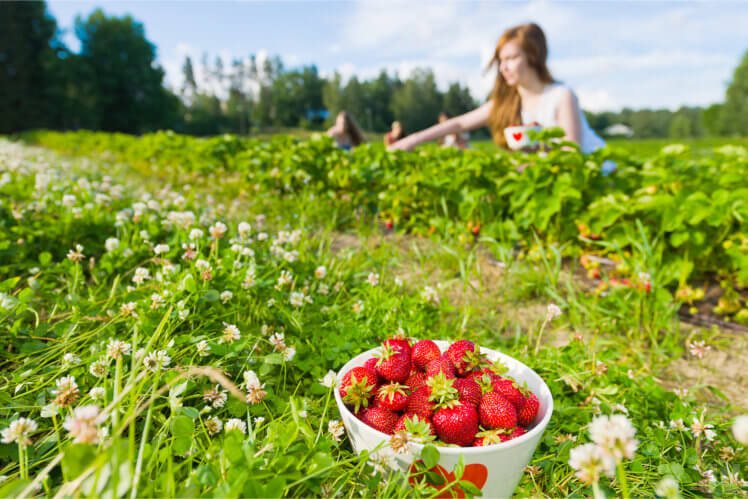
(477, 474)
(517, 135)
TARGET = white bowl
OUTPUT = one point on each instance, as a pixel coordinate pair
(517, 137)
(499, 467)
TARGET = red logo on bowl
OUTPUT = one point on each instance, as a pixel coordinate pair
(474, 473)
(517, 135)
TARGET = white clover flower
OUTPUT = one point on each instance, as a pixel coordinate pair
(216, 397)
(213, 425)
(249, 279)
(373, 279)
(203, 349)
(270, 302)
(615, 436)
(202, 265)
(229, 334)
(226, 296)
(698, 348)
(251, 381)
(552, 311)
(323, 289)
(288, 353)
(329, 380)
(294, 237)
(589, 462)
(358, 307)
(259, 420)
(249, 252)
(320, 272)
(168, 269)
(235, 424)
(244, 229)
(141, 275)
(297, 299)
(139, 354)
(68, 200)
(65, 384)
(99, 368)
(740, 429)
(677, 424)
(398, 282)
(218, 230)
(336, 429)
(285, 278)
(97, 394)
(160, 249)
(278, 341)
(698, 427)
(128, 308)
(196, 234)
(127, 253)
(19, 431)
(116, 349)
(76, 255)
(302, 414)
(145, 236)
(69, 360)
(156, 360)
(291, 256)
(82, 425)
(111, 244)
(262, 236)
(668, 488)
(260, 219)
(236, 248)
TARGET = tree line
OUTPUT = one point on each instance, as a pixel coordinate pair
(113, 83)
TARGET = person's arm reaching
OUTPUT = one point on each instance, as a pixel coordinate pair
(463, 123)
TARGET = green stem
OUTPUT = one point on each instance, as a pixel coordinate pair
(324, 413)
(597, 492)
(143, 441)
(540, 335)
(622, 479)
(22, 460)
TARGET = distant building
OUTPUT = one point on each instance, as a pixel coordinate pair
(316, 114)
(619, 129)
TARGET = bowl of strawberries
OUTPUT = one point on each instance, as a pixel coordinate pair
(470, 401)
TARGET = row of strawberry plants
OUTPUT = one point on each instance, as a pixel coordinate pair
(693, 207)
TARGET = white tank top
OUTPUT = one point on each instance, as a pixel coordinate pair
(546, 113)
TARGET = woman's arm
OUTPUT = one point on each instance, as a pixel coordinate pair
(568, 117)
(468, 121)
(335, 131)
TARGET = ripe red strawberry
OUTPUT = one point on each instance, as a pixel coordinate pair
(416, 425)
(381, 419)
(399, 342)
(357, 387)
(423, 353)
(440, 365)
(392, 396)
(456, 424)
(510, 390)
(465, 356)
(517, 432)
(494, 368)
(371, 364)
(526, 415)
(489, 437)
(360, 413)
(393, 365)
(416, 380)
(469, 391)
(419, 403)
(497, 412)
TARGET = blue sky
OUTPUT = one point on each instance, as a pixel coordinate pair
(613, 54)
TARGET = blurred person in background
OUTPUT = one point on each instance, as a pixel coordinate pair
(458, 140)
(346, 132)
(396, 133)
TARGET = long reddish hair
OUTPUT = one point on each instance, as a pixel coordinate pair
(507, 105)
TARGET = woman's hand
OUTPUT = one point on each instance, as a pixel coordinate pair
(406, 144)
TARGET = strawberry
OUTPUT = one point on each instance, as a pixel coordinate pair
(381, 419)
(492, 437)
(416, 380)
(469, 391)
(419, 403)
(456, 424)
(440, 365)
(360, 413)
(371, 365)
(393, 365)
(494, 368)
(465, 356)
(510, 390)
(399, 342)
(424, 352)
(416, 425)
(357, 387)
(392, 396)
(517, 432)
(526, 415)
(497, 412)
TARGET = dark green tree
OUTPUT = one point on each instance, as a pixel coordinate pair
(457, 100)
(735, 110)
(418, 102)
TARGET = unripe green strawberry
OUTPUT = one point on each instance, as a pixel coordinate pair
(526, 415)
(456, 424)
(381, 419)
(497, 412)
(392, 396)
(358, 387)
(423, 352)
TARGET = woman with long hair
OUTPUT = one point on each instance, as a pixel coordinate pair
(524, 92)
(346, 131)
